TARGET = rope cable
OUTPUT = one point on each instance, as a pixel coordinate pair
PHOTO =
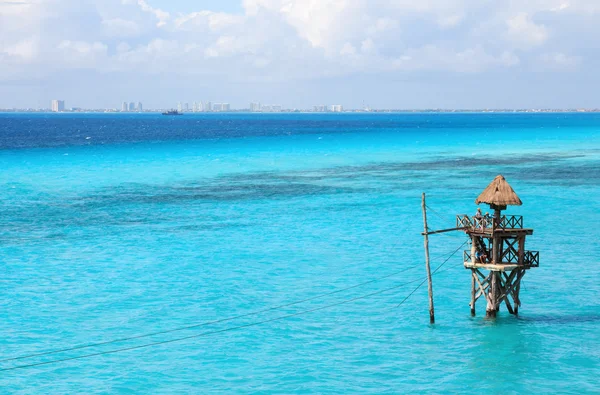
(443, 219)
(179, 329)
(226, 320)
(179, 339)
(435, 271)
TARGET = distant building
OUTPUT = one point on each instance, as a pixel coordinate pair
(207, 107)
(271, 108)
(320, 108)
(179, 107)
(255, 107)
(337, 108)
(195, 107)
(124, 107)
(221, 107)
(186, 107)
(58, 105)
(139, 107)
(132, 106)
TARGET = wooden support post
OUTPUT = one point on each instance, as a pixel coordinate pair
(495, 238)
(473, 299)
(521, 250)
(495, 249)
(492, 307)
(429, 284)
(517, 289)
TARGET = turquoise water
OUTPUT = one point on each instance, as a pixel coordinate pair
(116, 226)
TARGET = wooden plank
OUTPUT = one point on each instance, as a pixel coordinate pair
(433, 232)
(494, 267)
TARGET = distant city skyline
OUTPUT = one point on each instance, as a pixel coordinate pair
(387, 54)
(256, 107)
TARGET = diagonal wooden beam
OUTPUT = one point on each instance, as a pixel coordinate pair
(517, 288)
(509, 306)
(508, 278)
(504, 294)
(508, 290)
(486, 285)
(484, 279)
(515, 283)
(481, 288)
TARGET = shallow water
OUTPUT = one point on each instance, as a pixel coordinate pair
(114, 226)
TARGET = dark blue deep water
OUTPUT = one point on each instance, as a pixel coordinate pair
(137, 230)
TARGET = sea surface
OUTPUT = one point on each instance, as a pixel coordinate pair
(274, 254)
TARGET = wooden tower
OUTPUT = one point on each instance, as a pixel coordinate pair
(497, 259)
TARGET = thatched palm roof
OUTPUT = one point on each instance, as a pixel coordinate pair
(499, 193)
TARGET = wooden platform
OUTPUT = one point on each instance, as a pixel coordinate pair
(507, 267)
(487, 232)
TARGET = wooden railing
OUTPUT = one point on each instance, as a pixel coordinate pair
(530, 258)
(488, 222)
(510, 222)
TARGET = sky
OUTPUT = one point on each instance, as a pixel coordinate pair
(298, 53)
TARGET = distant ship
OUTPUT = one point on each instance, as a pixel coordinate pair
(172, 112)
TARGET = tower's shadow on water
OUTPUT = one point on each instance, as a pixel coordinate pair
(563, 319)
(542, 319)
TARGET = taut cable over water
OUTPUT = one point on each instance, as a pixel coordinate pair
(157, 343)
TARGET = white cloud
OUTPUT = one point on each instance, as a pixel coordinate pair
(367, 46)
(348, 49)
(161, 15)
(469, 60)
(582, 6)
(81, 53)
(118, 27)
(290, 38)
(449, 21)
(123, 47)
(224, 46)
(508, 58)
(25, 51)
(214, 21)
(524, 32)
(558, 60)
